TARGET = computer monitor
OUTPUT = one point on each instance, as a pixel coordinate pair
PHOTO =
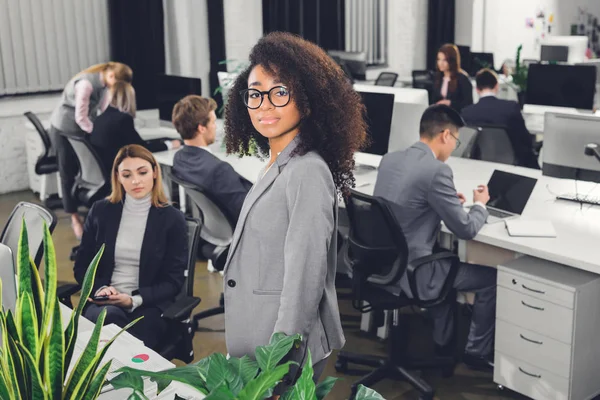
(465, 57)
(380, 108)
(561, 85)
(480, 61)
(355, 61)
(565, 139)
(577, 46)
(402, 95)
(171, 89)
(553, 53)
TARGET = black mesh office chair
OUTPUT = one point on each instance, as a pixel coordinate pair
(178, 341)
(468, 137)
(217, 231)
(379, 254)
(386, 79)
(34, 216)
(91, 182)
(47, 163)
(493, 144)
(423, 80)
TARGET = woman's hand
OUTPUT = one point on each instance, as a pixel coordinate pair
(444, 102)
(114, 298)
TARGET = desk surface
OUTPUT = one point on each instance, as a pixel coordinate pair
(577, 228)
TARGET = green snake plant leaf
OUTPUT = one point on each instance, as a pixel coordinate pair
(27, 323)
(23, 267)
(270, 355)
(50, 284)
(365, 393)
(53, 362)
(95, 387)
(86, 289)
(325, 387)
(36, 384)
(4, 388)
(11, 327)
(304, 388)
(255, 389)
(20, 367)
(37, 295)
(12, 367)
(85, 359)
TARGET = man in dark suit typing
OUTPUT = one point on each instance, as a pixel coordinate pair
(195, 120)
(494, 111)
(420, 188)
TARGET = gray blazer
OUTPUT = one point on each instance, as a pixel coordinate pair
(280, 272)
(421, 190)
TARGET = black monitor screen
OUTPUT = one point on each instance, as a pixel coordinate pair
(510, 192)
(171, 89)
(561, 85)
(480, 61)
(554, 53)
(380, 107)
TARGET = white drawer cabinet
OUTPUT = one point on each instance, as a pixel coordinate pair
(547, 325)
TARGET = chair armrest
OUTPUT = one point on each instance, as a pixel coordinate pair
(67, 290)
(181, 309)
(411, 272)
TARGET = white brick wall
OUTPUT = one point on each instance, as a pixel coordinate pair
(407, 36)
(13, 160)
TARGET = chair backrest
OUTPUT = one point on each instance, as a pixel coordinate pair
(376, 240)
(468, 136)
(193, 225)
(493, 144)
(92, 176)
(34, 216)
(39, 127)
(422, 79)
(217, 224)
(8, 278)
(386, 79)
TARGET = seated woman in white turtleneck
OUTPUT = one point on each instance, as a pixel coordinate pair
(142, 268)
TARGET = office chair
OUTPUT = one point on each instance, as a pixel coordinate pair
(178, 342)
(468, 136)
(34, 216)
(8, 272)
(423, 80)
(47, 163)
(379, 254)
(91, 183)
(217, 231)
(386, 79)
(493, 144)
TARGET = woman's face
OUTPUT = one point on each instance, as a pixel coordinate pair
(442, 63)
(137, 177)
(269, 120)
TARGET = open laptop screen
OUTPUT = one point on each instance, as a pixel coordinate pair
(510, 192)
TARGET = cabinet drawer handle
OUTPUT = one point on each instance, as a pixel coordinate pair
(530, 374)
(530, 340)
(534, 307)
(533, 290)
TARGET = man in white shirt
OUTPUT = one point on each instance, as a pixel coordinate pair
(420, 188)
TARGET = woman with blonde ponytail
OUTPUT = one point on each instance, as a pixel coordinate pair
(84, 97)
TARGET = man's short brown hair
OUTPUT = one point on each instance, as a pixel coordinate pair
(190, 112)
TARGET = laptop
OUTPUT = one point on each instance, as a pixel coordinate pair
(509, 194)
(8, 277)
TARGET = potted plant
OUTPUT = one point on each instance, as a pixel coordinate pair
(519, 77)
(35, 351)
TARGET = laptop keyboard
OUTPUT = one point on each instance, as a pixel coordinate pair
(498, 213)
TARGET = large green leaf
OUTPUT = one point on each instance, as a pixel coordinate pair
(36, 385)
(96, 385)
(128, 380)
(27, 323)
(245, 367)
(86, 358)
(54, 365)
(86, 289)
(50, 283)
(219, 372)
(37, 297)
(365, 393)
(304, 389)
(188, 374)
(221, 392)
(325, 387)
(23, 267)
(255, 389)
(270, 355)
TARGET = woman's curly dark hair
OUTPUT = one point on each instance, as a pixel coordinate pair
(333, 116)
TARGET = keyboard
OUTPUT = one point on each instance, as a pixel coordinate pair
(499, 213)
(580, 198)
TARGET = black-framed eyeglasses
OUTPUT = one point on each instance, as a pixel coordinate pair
(279, 96)
(457, 141)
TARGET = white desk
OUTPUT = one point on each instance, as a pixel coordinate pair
(181, 389)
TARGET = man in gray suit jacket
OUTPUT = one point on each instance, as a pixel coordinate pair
(421, 189)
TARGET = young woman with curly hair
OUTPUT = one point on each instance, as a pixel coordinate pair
(295, 103)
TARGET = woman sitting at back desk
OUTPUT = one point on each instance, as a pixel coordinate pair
(452, 86)
(146, 253)
(115, 128)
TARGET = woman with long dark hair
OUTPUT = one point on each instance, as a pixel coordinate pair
(452, 86)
